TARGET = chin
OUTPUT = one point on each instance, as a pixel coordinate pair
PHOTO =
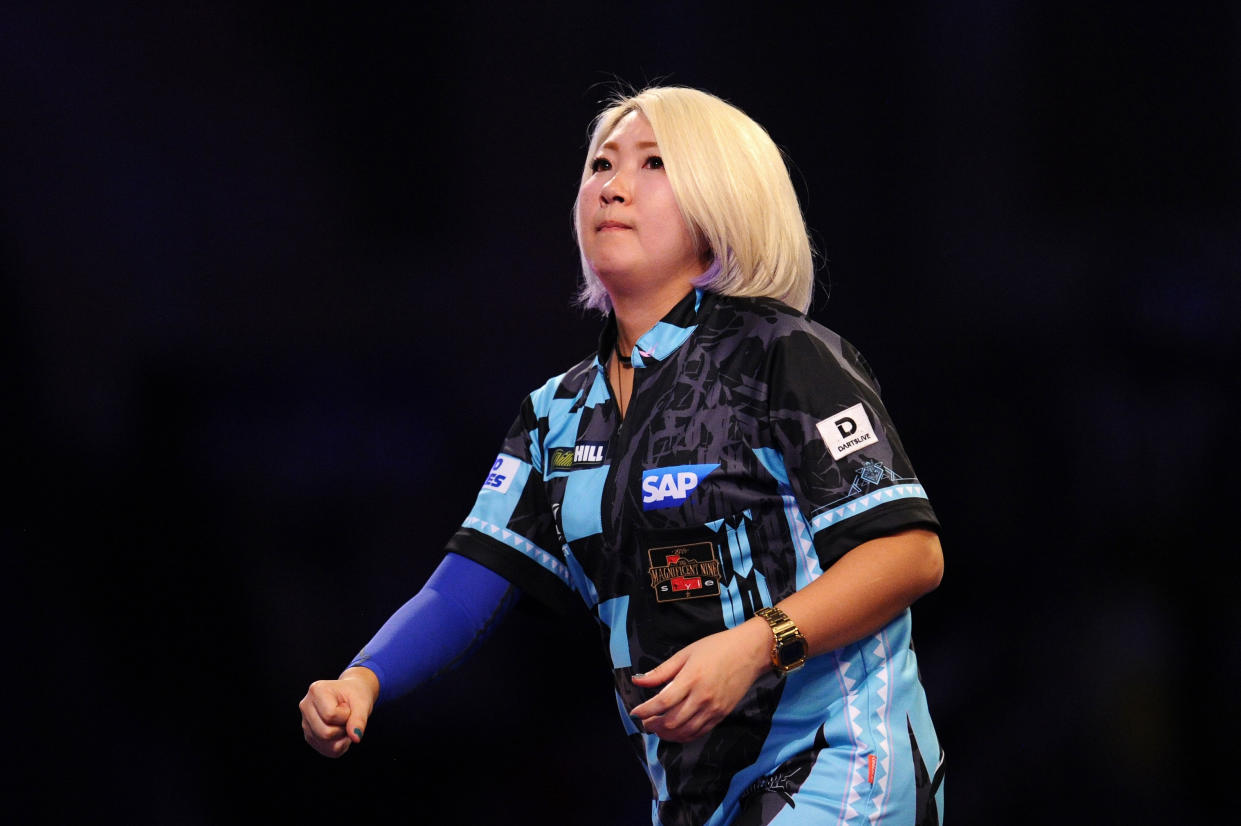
(613, 269)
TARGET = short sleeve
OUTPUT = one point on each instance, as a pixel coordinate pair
(511, 529)
(845, 462)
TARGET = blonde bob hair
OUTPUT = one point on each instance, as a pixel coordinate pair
(734, 191)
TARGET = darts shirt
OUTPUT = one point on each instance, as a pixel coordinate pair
(754, 453)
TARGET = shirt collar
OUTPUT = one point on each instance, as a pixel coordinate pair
(662, 340)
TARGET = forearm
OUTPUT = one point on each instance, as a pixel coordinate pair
(855, 597)
(439, 627)
(862, 592)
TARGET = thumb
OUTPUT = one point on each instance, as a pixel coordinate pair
(356, 725)
(663, 672)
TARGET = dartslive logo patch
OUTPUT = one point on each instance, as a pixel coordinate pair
(669, 487)
(847, 431)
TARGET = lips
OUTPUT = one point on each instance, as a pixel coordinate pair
(606, 225)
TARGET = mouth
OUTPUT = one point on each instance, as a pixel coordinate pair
(603, 226)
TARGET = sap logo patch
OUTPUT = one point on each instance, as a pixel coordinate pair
(501, 475)
(668, 487)
(847, 431)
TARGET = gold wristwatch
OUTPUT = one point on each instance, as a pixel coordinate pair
(789, 650)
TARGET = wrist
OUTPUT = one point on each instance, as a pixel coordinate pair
(757, 646)
(363, 675)
(789, 647)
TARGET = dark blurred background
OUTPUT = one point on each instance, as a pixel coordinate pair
(276, 280)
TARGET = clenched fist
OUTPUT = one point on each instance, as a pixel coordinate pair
(334, 712)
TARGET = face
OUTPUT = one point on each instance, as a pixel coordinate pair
(629, 225)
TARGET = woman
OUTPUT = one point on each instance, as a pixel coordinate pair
(719, 485)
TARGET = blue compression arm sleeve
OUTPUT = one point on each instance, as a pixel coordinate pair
(439, 627)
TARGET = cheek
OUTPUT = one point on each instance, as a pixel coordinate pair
(585, 201)
(676, 231)
(669, 211)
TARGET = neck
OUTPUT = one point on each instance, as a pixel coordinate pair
(640, 300)
(635, 316)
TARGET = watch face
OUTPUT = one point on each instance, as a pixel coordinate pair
(792, 651)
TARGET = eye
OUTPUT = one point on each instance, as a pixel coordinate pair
(654, 162)
(600, 165)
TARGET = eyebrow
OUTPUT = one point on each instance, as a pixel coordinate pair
(640, 145)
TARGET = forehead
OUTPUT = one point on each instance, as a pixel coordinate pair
(631, 129)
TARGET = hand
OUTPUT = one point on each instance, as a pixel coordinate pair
(705, 681)
(335, 712)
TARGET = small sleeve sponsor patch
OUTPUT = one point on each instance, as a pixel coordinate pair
(501, 475)
(847, 431)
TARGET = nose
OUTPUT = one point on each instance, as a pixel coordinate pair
(614, 190)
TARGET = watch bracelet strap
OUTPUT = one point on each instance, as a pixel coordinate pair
(782, 629)
(779, 621)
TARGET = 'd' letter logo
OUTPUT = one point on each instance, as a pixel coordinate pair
(847, 431)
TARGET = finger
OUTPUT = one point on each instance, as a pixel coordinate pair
(678, 720)
(336, 748)
(319, 730)
(663, 672)
(669, 697)
(331, 706)
(329, 748)
(662, 728)
(676, 717)
(651, 725)
(697, 726)
(693, 728)
(312, 731)
(315, 726)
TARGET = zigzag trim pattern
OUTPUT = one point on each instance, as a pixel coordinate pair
(857, 779)
(882, 713)
(865, 503)
(514, 540)
(808, 560)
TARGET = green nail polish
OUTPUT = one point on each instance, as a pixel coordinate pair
(358, 732)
